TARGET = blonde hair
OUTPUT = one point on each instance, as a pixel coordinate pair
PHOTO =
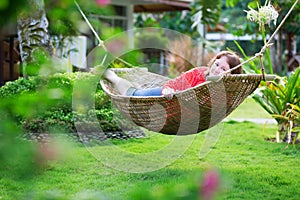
(232, 58)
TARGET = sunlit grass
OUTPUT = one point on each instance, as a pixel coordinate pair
(249, 109)
(250, 168)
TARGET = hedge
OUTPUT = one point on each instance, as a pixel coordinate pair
(44, 105)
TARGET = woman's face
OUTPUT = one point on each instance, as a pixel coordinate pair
(219, 66)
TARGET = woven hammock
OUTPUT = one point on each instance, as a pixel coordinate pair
(188, 112)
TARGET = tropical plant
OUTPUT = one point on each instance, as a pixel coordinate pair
(210, 10)
(182, 21)
(281, 98)
(292, 123)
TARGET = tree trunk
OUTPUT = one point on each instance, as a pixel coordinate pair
(33, 33)
(289, 43)
(274, 57)
(279, 51)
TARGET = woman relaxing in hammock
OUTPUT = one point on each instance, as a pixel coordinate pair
(223, 61)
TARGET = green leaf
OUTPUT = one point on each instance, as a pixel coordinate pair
(3, 4)
(279, 88)
(253, 66)
(253, 4)
(296, 129)
(263, 103)
(292, 83)
(280, 117)
(295, 107)
(272, 98)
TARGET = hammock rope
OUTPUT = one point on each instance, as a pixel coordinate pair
(190, 111)
(101, 42)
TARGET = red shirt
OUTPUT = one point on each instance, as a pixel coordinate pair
(187, 80)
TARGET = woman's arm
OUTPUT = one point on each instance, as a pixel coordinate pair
(168, 92)
(186, 80)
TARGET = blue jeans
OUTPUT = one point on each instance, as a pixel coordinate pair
(144, 92)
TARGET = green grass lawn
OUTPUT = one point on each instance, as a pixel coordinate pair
(249, 168)
(249, 109)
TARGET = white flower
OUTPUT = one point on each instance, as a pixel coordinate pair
(264, 15)
(252, 15)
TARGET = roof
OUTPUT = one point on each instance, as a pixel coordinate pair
(295, 58)
(155, 5)
(161, 5)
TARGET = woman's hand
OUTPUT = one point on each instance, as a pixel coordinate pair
(168, 92)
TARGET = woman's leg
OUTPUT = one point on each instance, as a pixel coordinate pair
(148, 92)
(126, 88)
(122, 85)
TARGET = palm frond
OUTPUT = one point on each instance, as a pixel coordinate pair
(262, 102)
(280, 117)
(291, 85)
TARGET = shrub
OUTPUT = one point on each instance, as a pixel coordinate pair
(44, 105)
(281, 98)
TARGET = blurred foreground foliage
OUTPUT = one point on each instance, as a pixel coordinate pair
(44, 105)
